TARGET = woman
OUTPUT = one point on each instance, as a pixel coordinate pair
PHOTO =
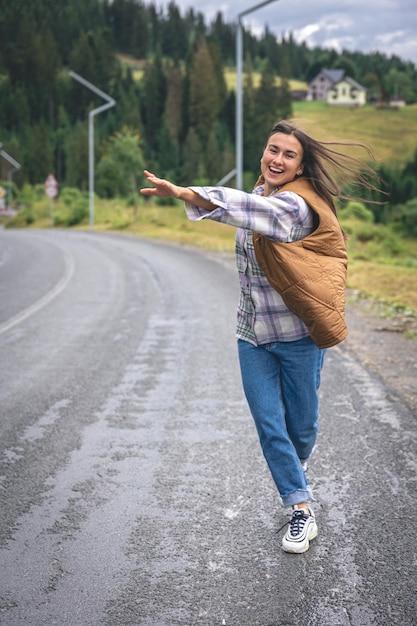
(292, 262)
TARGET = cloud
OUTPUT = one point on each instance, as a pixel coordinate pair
(306, 33)
(386, 26)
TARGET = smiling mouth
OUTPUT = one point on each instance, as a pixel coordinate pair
(274, 171)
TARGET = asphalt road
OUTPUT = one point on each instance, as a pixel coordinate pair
(133, 490)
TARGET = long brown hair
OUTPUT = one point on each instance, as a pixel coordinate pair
(320, 161)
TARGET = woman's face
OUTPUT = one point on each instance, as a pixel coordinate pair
(281, 161)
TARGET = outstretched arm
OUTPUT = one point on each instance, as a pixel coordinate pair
(164, 189)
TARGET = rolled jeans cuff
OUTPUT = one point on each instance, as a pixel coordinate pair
(296, 497)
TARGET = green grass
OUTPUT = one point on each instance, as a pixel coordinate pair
(382, 264)
(391, 134)
(136, 65)
(230, 78)
(166, 223)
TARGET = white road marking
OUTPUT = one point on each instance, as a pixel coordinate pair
(46, 299)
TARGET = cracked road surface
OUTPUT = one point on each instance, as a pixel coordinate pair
(133, 490)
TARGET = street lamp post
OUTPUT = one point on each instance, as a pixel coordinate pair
(239, 91)
(110, 103)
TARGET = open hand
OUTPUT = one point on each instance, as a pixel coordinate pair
(162, 188)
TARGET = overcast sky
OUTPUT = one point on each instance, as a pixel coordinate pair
(387, 26)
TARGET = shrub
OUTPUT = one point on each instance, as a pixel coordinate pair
(27, 196)
(75, 207)
(71, 196)
(365, 232)
(405, 218)
(39, 191)
(375, 242)
(357, 210)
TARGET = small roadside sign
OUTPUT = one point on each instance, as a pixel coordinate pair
(51, 186)
(2, 197)
(51, 190)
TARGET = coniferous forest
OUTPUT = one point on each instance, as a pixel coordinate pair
(178, 116)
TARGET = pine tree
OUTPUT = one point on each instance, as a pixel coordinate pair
(39, 153)
(266, 98)
(173, 107)
(128, 102)
(63, 132)
(128, 21)
(155, 89)
(168, 151)
(205, 99)
(251, 138)
(213, 159)
(174, 34)
(192, 158)
(223, 36)
(77, 157)
(284, 108)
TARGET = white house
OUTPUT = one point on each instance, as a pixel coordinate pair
(346, 92)
(337, 89)
(320, 85)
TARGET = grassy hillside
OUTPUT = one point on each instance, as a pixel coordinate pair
(230, 78)
(392, 134)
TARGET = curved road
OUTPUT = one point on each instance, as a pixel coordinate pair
(132, 486)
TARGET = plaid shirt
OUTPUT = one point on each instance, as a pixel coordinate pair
(262, 316)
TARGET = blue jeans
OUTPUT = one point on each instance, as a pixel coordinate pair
(281, 382)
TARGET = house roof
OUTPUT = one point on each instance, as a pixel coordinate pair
(352, 82)
(334, 75)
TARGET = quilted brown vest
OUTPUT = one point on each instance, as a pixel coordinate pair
(310, 274)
